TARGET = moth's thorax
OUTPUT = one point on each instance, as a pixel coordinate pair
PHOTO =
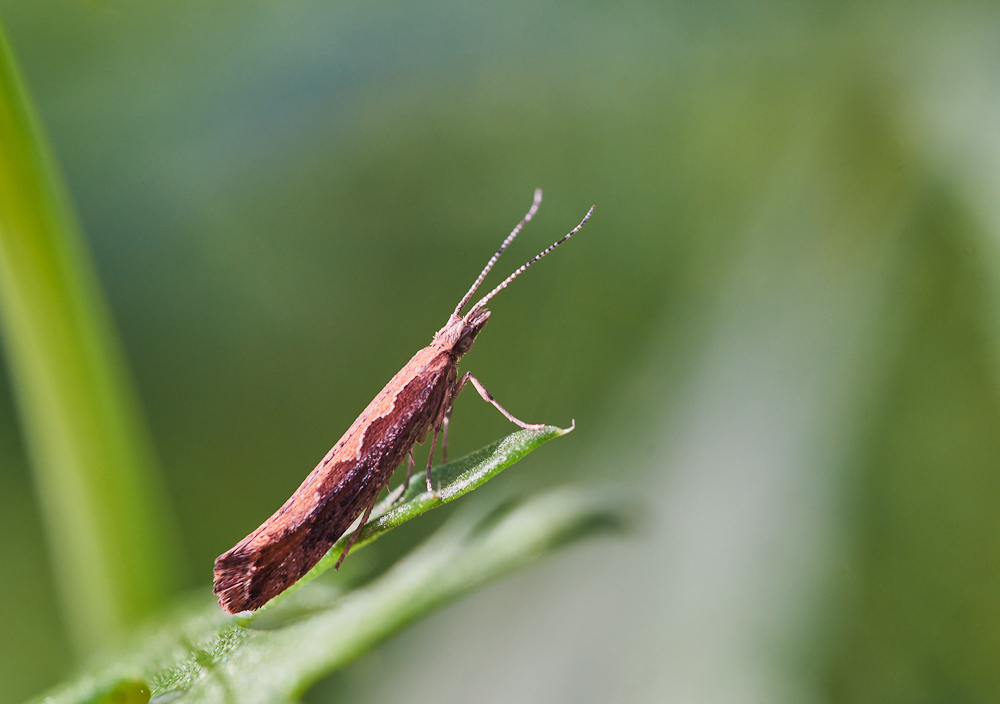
(458, 334)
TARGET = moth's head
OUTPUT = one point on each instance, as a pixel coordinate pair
(459, 333)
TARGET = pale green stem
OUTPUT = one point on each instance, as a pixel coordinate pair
(96, 478)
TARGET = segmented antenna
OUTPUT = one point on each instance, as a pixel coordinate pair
(493, 259)
(482, 301)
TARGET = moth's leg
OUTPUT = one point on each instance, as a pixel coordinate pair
(409, 469)
(446, 421)
(459, 385)
(444, 435)
(488, 397)
(430, 458)
(355, 534)
(401, 489)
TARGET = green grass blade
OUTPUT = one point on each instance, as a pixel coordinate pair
(200, 654)
(450, 481)
(92, 460)
(279, 661)
(469, 551)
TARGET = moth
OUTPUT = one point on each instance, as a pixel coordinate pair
(347, 482)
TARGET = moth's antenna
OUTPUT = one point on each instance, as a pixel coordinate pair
(493, 259)
(482, 301)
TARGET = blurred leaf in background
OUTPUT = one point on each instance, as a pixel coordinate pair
(198, 653)
(782, 324)
(105, 513)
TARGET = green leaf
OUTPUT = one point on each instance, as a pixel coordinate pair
(199, 654)
(92, 460)
(450, 480)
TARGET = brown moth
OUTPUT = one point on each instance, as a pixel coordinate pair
(346, 484)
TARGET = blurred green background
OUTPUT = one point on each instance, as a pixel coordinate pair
(781, 329)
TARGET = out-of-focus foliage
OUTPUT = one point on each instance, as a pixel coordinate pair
(108, 534)
(198, 653)
(781, 324)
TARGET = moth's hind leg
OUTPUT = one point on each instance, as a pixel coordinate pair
(356, 533)
(401, 489)
(409, 470)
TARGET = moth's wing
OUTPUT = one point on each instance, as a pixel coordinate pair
(294, 539)
(248, 576)
(338, 490)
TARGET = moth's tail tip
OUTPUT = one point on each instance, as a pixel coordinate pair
(227, 603)
(231, 573)
(243, 614)
(232, 603)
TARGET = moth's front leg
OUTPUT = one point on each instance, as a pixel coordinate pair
(444, 434)
(430, 458)
(488, 397)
